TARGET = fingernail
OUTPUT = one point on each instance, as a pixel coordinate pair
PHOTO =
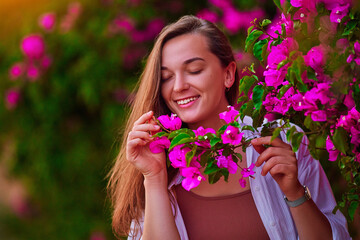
(156, 126)
(149, 112)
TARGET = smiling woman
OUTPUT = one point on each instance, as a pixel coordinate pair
(191, 72)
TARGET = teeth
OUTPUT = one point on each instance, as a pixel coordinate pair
(187, 100)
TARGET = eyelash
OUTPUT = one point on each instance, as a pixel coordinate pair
(196, 72)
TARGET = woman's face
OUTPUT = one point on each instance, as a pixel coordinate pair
(194, 81)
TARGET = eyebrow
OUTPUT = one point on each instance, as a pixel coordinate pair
(187, 61)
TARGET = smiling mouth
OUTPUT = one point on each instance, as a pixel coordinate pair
(186, 100)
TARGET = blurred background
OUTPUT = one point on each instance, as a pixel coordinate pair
(67, 70)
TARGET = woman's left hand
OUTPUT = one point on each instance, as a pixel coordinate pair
(280, 161)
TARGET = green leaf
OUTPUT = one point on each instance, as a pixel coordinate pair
(238, 155)
(248, 127)
(251, 38)
(356, 96)
(182, 130)
(340, 140)
(250, 29)
(214, 141)
(275, 134)
(257, 96)
(282, 63)
(180, 139)
(160, 134)
(189, 155)
(259, 48)
(352, 209)
(265, 22)
(225, 173)
(283, 90)
(245, 84)
(290, 133)
(350, 26)
(296, 140)
(214, 177)
(211, 169)
(278, 4)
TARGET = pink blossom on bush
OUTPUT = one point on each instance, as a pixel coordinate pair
(222, 4)
(173, 122)
(242, 182)
(177, 156)
(333, 152)
(153, 28)
(47, 21)
(226, 162)
(339, 12)
(33, 46)
(16, 71)
(122, 24)
(192, 179)
(208, 15)
(342, 44)
(349, 101)
(159, 144)
(355, 57)
(355, 135)
(235, 20)
(229, 115)
(315, 58)
(246, 172)
(275, 77)
(46, 62)
(32, 72)
(232, 135)
(331, 4)
(202, 131)
(276, 26)
(12, 97)
(319, 116)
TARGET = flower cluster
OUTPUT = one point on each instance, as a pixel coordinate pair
(311, 77)
(203, 151)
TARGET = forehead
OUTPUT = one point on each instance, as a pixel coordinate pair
(184, 47)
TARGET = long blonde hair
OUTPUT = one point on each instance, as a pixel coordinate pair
(125, 187)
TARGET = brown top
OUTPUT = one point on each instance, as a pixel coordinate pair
(228, 217)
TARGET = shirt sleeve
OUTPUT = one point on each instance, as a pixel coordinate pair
(136, 229)
(311, 174)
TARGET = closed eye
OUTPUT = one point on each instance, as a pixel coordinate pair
(195, 72)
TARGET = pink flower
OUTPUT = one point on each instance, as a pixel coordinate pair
(33, 46)
(338, 12)
(355, 135)
(226, 162)
(232, 135)
(242, 182)
(222, 4)
(47, 21)
(46, 62)
(246, 172)
(275, 77)
(355, 56)
(16, 71)
(342, 44)
(173, 122)
(315, 58)
(202, 131)
(159, 144)
(207, 15)
(319, 116)
(229, 115)
(153, 28)
(349, 101)
(235, 20)
(177, 156)
(32, 72)
(12, 97)
(333, 152)
(192, 179)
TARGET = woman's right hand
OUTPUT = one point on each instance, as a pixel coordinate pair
(151, 165)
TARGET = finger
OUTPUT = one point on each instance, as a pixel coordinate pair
(139, 134)
(259, 148)
(287, 170)
(277, 142)
(145, 117)
(146, 127)
(272, 162)
(275, 151)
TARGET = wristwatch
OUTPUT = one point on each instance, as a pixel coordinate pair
(299, 201)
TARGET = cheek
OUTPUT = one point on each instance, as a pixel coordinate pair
(165, 91)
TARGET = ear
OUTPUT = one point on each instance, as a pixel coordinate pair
(230, 71)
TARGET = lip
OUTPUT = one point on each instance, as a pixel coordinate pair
(187, 101)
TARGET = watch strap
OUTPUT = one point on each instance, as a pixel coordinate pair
(300, 200)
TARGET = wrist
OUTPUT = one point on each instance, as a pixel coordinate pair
(157, 180)
(296, 193)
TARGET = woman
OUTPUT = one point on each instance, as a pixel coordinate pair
(191, 72)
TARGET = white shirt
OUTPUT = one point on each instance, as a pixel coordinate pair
(269, 199)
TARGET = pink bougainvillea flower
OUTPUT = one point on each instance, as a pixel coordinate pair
(342, 44)
(192, 179)
(338, 12)
(173, 122)
(357, 156)
(226, 162)
(122, 24)
(333, 152)
(242, 182)
(16, 70)
(232, 135)
(355, 57)
(315, 58)
(177, 156)
(349, 101)
(276, 26)
(46, 62)
(222, 4)
(319, 115)
(208, 15)
(229, 115)
(12, 97)
(33, 46)
(32, 72)
(246, 172)
(159, 144)
(202, 131)
(235, 20)
(153, 28)
(275, 77)
(47, 21)
(355, 135)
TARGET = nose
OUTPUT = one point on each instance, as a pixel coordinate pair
(180, 83)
